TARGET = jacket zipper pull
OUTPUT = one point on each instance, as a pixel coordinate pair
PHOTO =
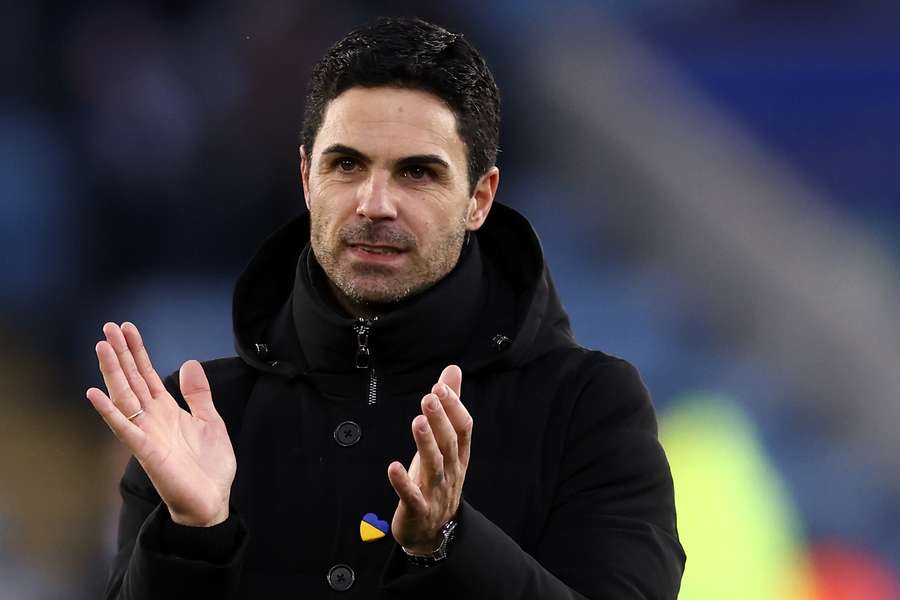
(364, 355)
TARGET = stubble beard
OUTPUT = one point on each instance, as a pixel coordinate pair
(373, 286)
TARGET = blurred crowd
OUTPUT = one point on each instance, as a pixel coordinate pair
(715, 184)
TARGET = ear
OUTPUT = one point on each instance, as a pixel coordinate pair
(482, 199)
(304, 173)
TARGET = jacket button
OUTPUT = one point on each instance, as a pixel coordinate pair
(347, 433)
(341, 577)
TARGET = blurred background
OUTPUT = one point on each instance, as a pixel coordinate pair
(716, 184)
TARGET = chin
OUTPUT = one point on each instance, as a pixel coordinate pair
(374, 285)
(378, 295)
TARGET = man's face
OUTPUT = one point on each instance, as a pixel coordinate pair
(388, 194)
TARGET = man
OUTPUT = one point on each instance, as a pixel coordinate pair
(283, 479)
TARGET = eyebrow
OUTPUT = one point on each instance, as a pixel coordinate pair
(423, 159)
(406, 161)
(347, 151)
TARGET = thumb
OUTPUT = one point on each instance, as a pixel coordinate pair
(195, 389)
(452, 377)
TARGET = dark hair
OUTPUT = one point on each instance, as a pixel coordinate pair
(412, 53)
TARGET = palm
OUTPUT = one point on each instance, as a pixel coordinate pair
(189, 461)
(187, 455)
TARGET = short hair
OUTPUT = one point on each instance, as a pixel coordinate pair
(414, 54)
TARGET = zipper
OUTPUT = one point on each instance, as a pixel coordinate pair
(363, 327)
(373, 386)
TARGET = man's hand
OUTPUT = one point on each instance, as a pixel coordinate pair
(430, 492)
(187, 455)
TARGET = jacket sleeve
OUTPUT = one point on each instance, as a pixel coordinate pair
(157, 558)
(610, 533)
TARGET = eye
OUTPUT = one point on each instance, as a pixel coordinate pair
(346, 165)
(416, 172)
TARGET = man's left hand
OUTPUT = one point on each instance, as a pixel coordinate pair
(430, 491)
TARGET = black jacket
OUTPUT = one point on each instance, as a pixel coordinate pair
(568, 492)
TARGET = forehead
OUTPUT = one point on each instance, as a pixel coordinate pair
(388, 123)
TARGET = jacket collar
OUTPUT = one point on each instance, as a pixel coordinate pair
(503, 318)
(432, 327)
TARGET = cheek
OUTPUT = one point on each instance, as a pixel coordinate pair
(331, 202)
(434, 229)
(323, 221)
(322, 191)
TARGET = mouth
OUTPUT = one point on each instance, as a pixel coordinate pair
(376, 249)
(376, 254)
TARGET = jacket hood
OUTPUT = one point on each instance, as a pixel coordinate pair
(511, 313)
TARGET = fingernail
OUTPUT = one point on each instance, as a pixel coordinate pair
(423, 426)
(441, 390)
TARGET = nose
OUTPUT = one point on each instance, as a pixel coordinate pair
(374, 199)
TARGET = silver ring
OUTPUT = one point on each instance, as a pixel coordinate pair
(136, 415)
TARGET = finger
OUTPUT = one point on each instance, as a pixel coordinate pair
(415, 467)
(456, 411)
(142, 359)
(459, 417)
(431, 462)
(452, 376)
(444, 434)
(120, 392)
(127, 431)
(116, 339)
(407, 490)
(195, 389)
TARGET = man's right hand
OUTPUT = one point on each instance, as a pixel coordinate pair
(187, 455)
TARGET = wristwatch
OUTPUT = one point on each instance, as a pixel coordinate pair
(439, 553)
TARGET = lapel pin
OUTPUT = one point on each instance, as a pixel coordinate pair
(372, 528)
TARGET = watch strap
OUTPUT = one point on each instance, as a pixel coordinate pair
(439, 553)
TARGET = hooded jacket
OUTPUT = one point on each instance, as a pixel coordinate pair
(568, 493)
